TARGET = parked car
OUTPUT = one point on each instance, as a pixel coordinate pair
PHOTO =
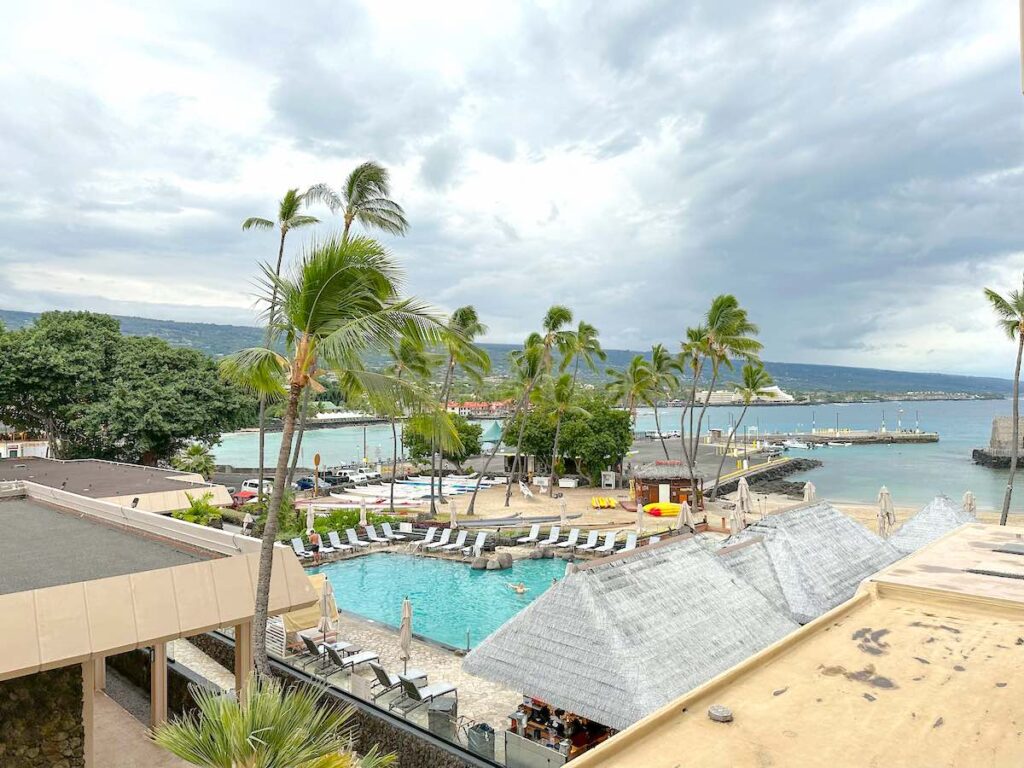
(306, 484)
(253, 485)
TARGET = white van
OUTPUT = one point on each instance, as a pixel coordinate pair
(254, 485)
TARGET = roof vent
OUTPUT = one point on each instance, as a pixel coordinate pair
(1011, 549)
(719, 713)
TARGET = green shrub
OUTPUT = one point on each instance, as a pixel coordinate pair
(200, 511)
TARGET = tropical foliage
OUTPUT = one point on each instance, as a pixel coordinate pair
(270, 726)
(201, 510)
(756, 383)
(195, 458)
(419, 444)
(1009, 311)
(365, 197)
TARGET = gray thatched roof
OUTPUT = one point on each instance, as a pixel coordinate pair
(750, 561)
(939, 516)
(621, 637)
(665, 470)
(818, 554)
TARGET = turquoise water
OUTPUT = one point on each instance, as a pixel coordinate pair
(447, 597)
(914, 473)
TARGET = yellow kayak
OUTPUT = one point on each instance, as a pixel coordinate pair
(663, 509)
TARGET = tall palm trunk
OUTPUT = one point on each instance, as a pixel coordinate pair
(263, 399)
(721, 464)
(657, 426)
(449, 379)
(558, 430)
(492, 454)
(1016, 430)
(303, 412)
(394, 463)
(259, 618)
(519, 440)
(689, 407)
(703, 410)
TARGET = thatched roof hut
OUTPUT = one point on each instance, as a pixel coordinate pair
(624, 635)
(668, 481)
(750, 561)
(818, 554)
(937, 518)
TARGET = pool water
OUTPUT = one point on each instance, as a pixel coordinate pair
(447, 597)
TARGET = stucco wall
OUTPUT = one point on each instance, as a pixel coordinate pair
(41, 720)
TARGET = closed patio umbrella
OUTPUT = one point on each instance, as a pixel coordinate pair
(809, 491)
(887, 514)
(362, 515)
(326, 612)
(405, 634)
(563, 519)
(639, 519)
(744, 500)
(453, 514)
(685, 518)
(309, 517)
(970, 503)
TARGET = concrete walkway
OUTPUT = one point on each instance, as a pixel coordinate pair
(121, 741)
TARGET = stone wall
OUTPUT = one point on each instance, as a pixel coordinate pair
(41, 720)
(370, 727)
(1001, 440)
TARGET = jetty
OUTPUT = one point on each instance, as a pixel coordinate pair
(857, 437)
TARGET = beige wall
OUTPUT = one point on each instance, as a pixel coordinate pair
(170, 501)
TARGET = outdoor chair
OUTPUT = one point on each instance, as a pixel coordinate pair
(478, 545)
(390, 534)
(300, 549)
(429, 537)
(318, 651)
(446, 536)
(354, 540)
(459, 543)
(389, 682)
(413, 697)
(653, 540)
(349, 663)
(552, 538)
(574, 536)
(590, 543)
(335, 540)
(630, 543)
(609, 542)
(533, 537)
(372, 535)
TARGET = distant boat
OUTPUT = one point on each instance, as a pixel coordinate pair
(838, 444)
(794, 444)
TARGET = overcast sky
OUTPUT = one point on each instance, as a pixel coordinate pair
(853, 172)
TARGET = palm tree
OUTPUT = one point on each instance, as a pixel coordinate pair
(465, 326)
(365, 197)
(691, 357)
(1010, 314)
(408, 358)
(555, 337)
(271, 725)
(729, 336)
(584, 347)
(558, 396)
(663, 367)
(196, 458)
(289, 217)
(631, 385)
(340, 301)
(756, 382)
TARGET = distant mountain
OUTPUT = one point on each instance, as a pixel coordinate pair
(218, 340)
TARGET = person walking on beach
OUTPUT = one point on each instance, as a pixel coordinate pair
(314, 544)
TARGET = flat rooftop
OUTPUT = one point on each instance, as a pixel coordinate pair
(924, 666)
(43, 547)
(93, 478)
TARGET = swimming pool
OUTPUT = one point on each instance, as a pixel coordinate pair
(447, 597)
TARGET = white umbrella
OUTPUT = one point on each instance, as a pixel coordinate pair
(809, 491)
(453, 514)
(362, 515)
(309, 517)
(685, 519)
(970, 503)
(744, 500)
(405, 634)
(886, 512)
(639, 518)
(881, 522)
(562, 505)
(326, 598)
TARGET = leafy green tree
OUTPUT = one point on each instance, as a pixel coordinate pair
(195, 458)
(409, 358)
(340, 301)
(201, 511)
(1010, 314)
(418, 444)
(756, 382)
(270, 725)
(557, 397)
(365, 197)
(289, 217)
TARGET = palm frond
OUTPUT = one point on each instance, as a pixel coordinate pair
(255, 222)
(322, 193)
(258, 370)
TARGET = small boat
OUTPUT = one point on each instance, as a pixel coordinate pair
(839, 444)
(794, 444)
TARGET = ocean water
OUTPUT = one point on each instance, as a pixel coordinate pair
(448, 598)
(913, 473)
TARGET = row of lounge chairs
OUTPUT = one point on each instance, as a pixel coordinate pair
(592, 543)
(341, 656)
(444, 544)
(354, 542)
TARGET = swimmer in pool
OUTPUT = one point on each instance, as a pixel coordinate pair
(519, 589)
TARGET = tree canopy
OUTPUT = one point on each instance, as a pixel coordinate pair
(418, 441)
(99, 394)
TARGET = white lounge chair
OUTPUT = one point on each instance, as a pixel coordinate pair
(533, 537)
(525, 490)
(336, 542)
(590, 543)
(446, 536)
(372, 535)
(354, 540)
(478, 545)
(552, 538)
(431, 532)
(388, 533)
(574, 536)
(630, 543)
(653, 540)
(389, 682)
(300, 550)
(349, 662)
(459, 543)
(609, 542)
(412, 696)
